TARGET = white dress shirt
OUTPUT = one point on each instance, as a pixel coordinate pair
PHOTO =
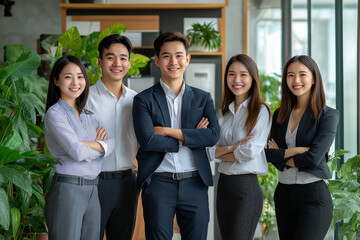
(183, 160)
(116, 115)
(251, 155)
(64, 133)
(293, 175)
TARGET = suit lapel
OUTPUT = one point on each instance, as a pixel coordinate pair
(161, 100)
(303, 125)
(282, 133)
(186, 105)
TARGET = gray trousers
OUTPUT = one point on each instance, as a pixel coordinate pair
(72, 212)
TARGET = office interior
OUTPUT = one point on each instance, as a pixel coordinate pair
(270, 31)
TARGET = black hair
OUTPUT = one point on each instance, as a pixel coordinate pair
(54, 95)
(111, 39)
(170, 36)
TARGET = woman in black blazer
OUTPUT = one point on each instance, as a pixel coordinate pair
(302, 132)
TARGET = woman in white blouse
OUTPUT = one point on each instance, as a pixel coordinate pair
(245, 122)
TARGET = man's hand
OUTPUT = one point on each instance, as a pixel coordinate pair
(204, 122)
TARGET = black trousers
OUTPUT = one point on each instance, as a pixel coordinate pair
(118, 200)
(239, 204)
(188, 198)
(303, 211)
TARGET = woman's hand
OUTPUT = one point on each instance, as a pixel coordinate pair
(272, 144)
(290, 163)
(204, 122)
(301, 150)
(101, 134)
(242, 142)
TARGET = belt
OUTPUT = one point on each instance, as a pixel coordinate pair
(75, 180)
(177, 176)
(115, 174)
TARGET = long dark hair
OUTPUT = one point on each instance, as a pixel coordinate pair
(254, 92)
(54, 95)
(288, 99)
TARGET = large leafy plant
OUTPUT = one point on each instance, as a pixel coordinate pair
(24, 179)
(23, 172)
(346, 194)
(22, 94)
(86, 48)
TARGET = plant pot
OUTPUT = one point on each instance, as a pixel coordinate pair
(201, 48)
(42, 236)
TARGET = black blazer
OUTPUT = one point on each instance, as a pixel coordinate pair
(318, 134)
(150, 109)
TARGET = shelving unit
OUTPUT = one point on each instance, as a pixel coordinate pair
(170, 17)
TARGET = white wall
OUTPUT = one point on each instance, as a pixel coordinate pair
(30, 19)
(234, 28)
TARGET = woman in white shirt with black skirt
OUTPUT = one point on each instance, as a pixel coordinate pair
(245, 122)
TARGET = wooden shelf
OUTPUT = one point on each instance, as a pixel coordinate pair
(140, 6)
(170, 17)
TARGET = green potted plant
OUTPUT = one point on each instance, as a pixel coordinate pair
(204, 37)
(24, 173)
(346, 194)
(85, 48)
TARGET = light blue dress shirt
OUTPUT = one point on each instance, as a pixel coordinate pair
(64, 132)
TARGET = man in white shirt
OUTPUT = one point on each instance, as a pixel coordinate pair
(111, 101)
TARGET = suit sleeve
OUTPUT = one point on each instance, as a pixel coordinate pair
(321, 143)
(275, 156)
(204, 137)
(144, 129)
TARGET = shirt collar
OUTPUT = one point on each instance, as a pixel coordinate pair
(66, 106)
(168, 90)
(103, 89)
(244, 104)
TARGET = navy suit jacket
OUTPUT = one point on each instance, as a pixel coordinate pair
(150, 109)
(318, 134)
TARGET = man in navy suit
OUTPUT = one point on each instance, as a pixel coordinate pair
(173, 124)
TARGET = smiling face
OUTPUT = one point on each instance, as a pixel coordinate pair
(71, 83)
(172, 61)
(299, 79)
(239, 80)
(115, 62)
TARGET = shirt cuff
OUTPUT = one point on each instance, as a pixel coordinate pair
(104, 145)
(210, 152)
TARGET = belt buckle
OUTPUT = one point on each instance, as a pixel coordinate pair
(177, 176)
(80, 181)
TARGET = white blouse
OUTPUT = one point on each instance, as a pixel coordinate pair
(250, 156)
